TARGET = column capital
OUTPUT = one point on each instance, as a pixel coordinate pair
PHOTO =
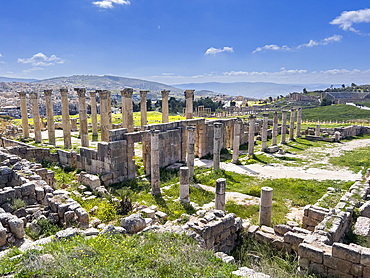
(292, 109)
(299, 108)
(92, 93)
(284, 111)
(237, 121)
(275, 113)
(154, 132)
(189, 93)
(80, 92)
(48, 93)
(64, 92)
(34, 95)
(22, 94)
(127, 92)
(217, 125)
(165, 93)
(103, 94)
(265, 115)
(143, 93)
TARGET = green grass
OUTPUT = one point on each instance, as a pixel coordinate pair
(147, 255)
(356, 160)
(276, 263)
(340, 112)
(299, 192)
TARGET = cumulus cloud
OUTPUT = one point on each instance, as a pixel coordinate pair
(348, 18)
(311, 43)
(214, 51)
(40, 59)
(108, 4)
(1, 55)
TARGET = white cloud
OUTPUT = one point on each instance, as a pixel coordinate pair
(32, 70)
(41, 60)
(1, 55)
(214, 51)
(108, 4)
(348, 18)
(311, 43)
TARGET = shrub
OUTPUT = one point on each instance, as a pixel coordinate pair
(18, 203)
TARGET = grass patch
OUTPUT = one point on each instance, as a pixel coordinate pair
(356, 160)
(147, 255)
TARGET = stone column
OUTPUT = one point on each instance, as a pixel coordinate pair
(104, 115)
(42, 122)
(82, 111)
(216, 145)
(317, 130)
(266, 206)
(236, 144)
(220, 198)
(184, 185)
(189, 94)
(36, 117)
(143, 109)
(275, 129)
(337, 136)
(110, 110)
(154, 167)
(127, 113)
(251, 135)
(299, 122)
(190, 154)
(165, 94)
(283, 126)
(291, 125)
(265, 126)
(94, 116)
(65, 119)
(24, 114)
(50, 116)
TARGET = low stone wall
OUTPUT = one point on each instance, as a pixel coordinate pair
(28, 181)
(313, 215)
(219, 231)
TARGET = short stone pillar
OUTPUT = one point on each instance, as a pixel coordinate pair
(184, 185)
(191, 149)
(50, 116)
(299, 122)
(284, 117)
(264, 131)
(154, 162)
(143, 109)
(94, 114)
(266, 206)
(236, 143)
(291, 126)
(220, 198)
(82, 111)
(337, 136)
(104, 115)
(251, 135)
(24, 114)
(65, 119)
(216, 146)
(189, 94)
(36, 117)
(127, 109)
(165, 94)
(74, 126)
(275, 129)
(317, 130)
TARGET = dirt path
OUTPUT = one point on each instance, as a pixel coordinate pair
(302, 172)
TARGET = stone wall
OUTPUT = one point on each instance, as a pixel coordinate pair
(29, 182)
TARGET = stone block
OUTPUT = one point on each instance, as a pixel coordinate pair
(318, 269)
(314, 254)
(82, 218)
(282, 229)
(346, 252)
(365, 257)
(336, 263)
(294, 238)
(16, 226)
(40, 194)
(28, 189)
(357, 270)
(366, 272)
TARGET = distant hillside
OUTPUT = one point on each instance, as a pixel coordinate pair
(246, 89)
(112, 83)
(7, 79)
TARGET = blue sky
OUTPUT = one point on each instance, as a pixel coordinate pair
(173, 41)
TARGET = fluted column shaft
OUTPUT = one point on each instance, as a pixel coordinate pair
(165, 94)
(264, 132)
(104, 115)
(24, 114)
(65, 119)
(50, 116)
(94, 114)
(81, 92)
(36, 117)
(189, 94)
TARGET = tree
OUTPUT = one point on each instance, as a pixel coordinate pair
(353, 85)
(343, 86)
(149, 105)
(270, 99)
(304, 90)
(232, 103)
